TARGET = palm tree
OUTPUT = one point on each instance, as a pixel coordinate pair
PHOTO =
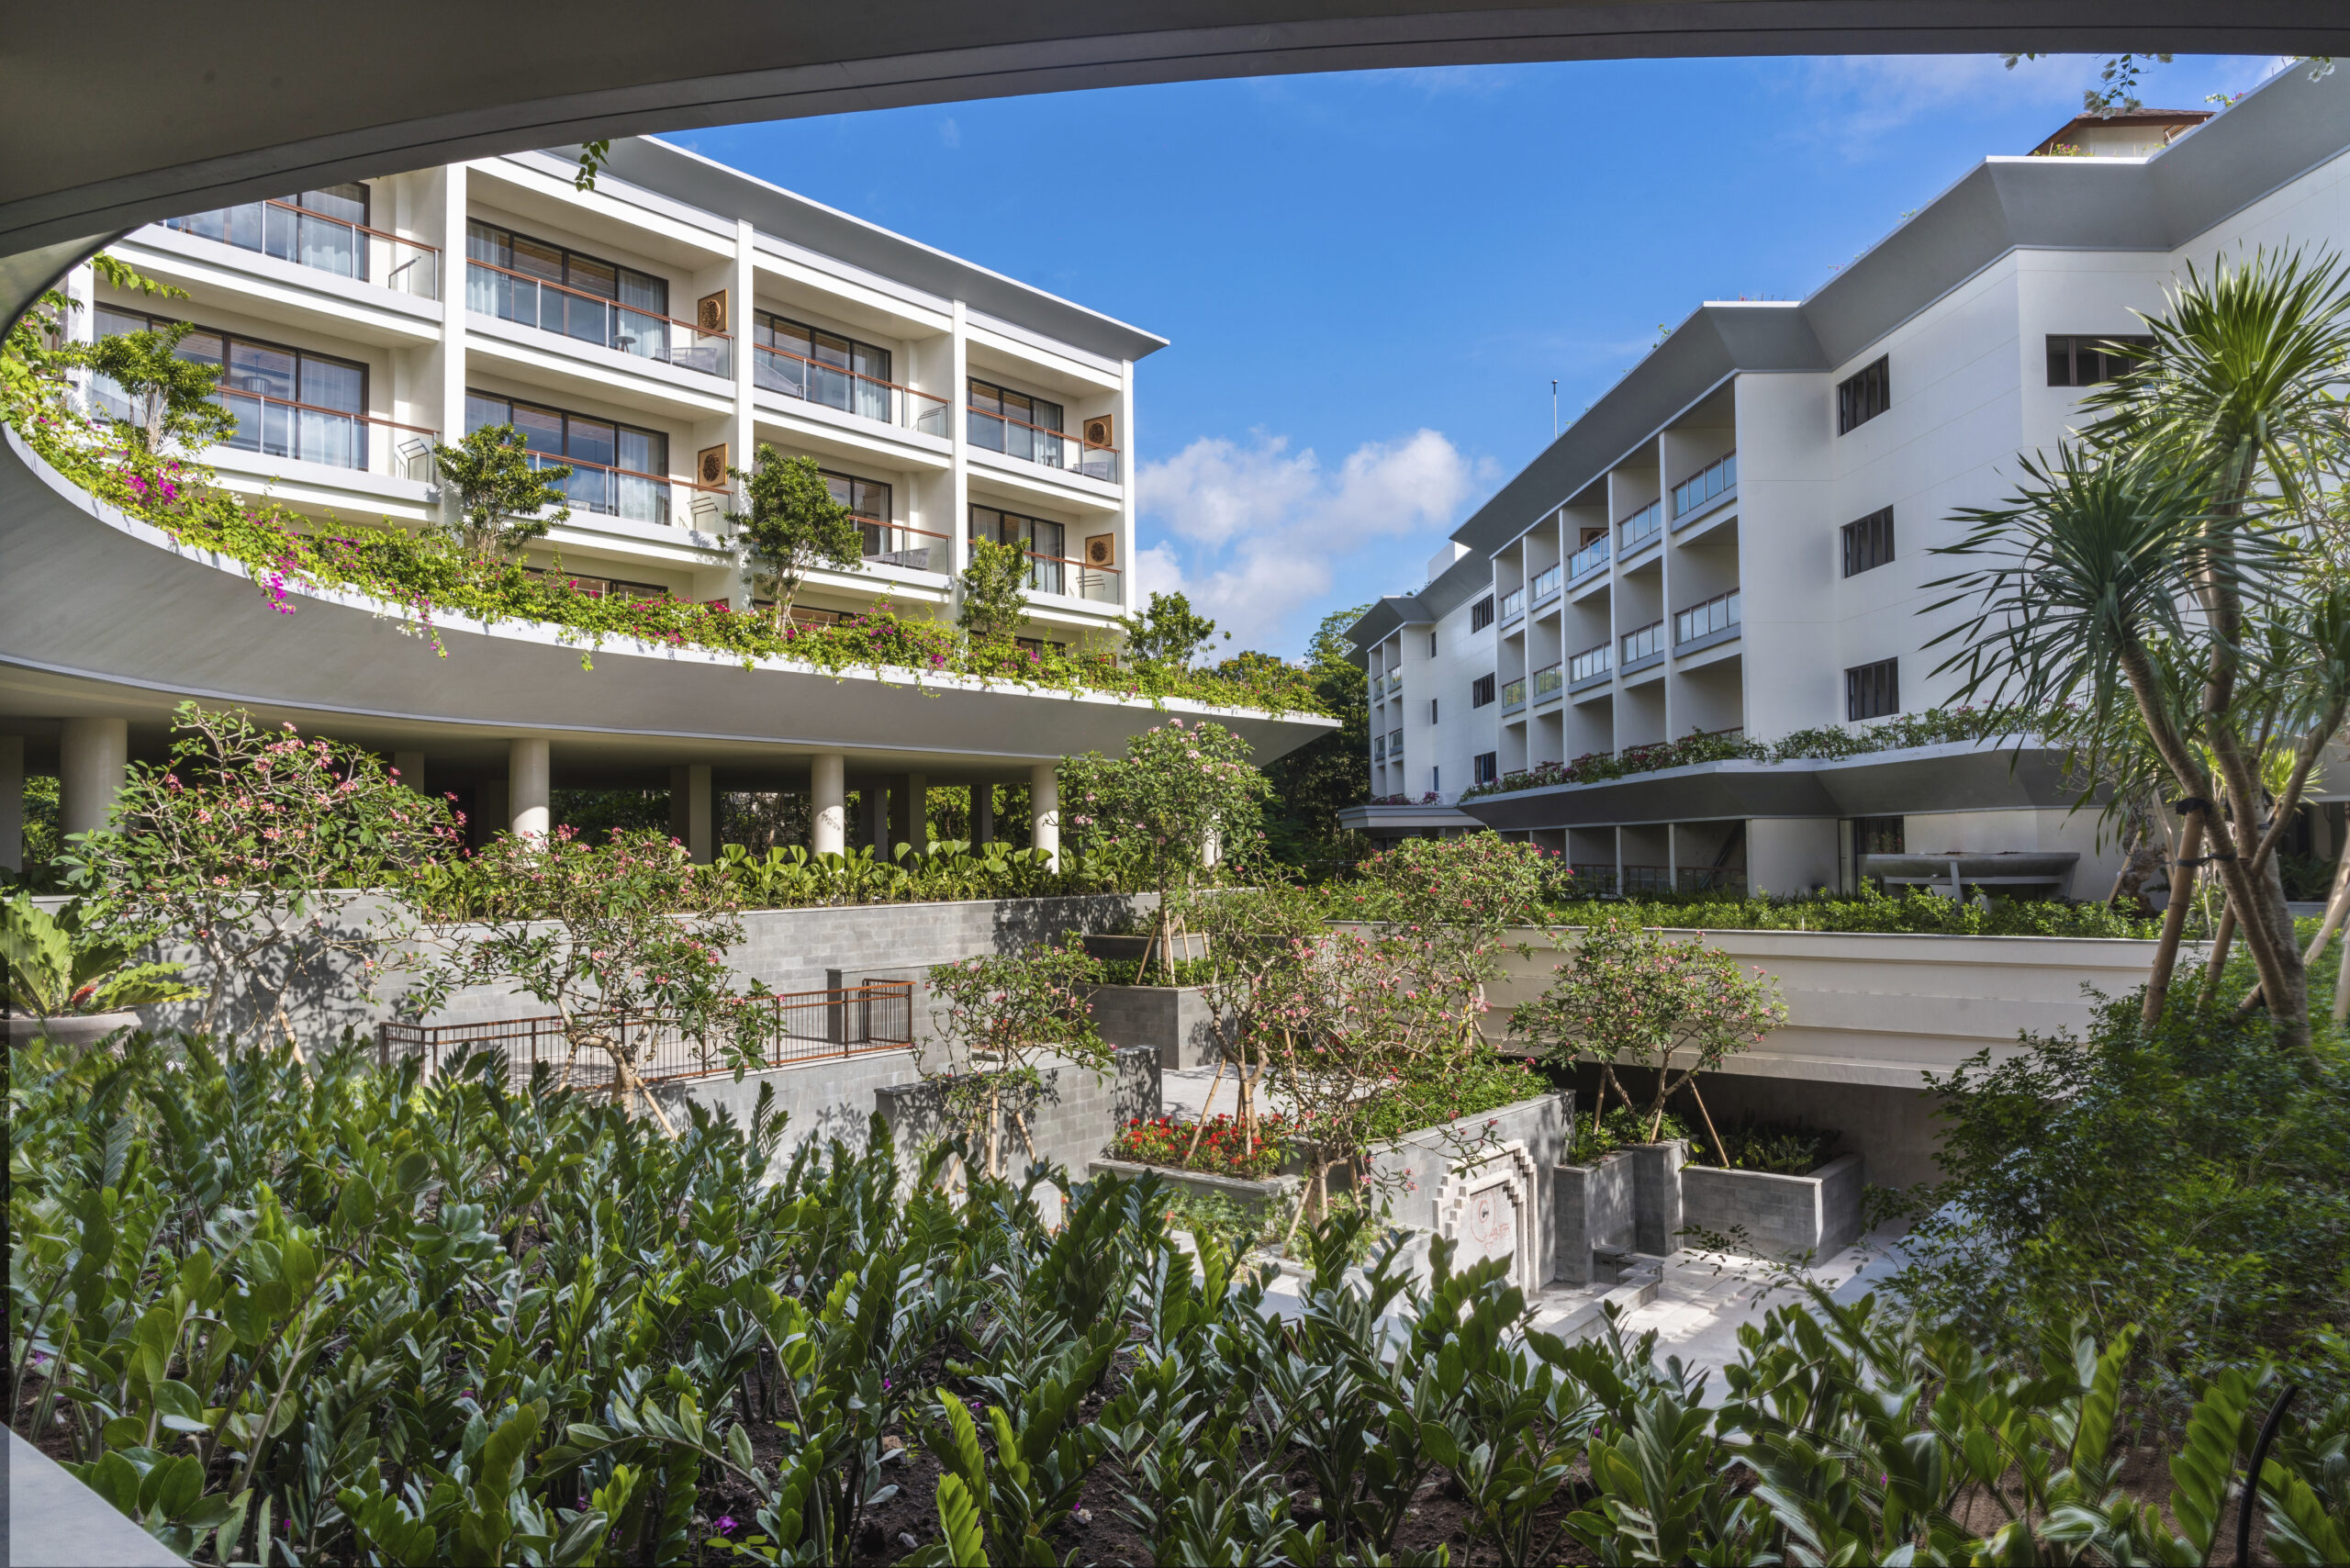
(2159, 569)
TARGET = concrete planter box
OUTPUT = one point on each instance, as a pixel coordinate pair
(1174, 1020)
(68, 1029)
(1129, 949)
(1781, 1216)
(1279, 1191)
(1591, 1207)
(1495, 1202)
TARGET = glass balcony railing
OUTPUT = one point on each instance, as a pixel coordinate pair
(1035, 444)
(1547, 682)
(1591, 557)
(1641, 526)
(1513, 605)
(1718, 613)
(307, 432)
(574, 313)
(1589, 664)
(1394, 746)
(1514, 694)
(1379, 748)
(836, 386)
(318, 240)
(912, 549)
(1545, 583)
(610, 491)
(1716, 478)
(1645, 644)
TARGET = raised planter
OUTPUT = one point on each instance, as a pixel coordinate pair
(1272, 1190)
(1482, 1181)
(1129, 948)
(1786, 1217)
(72, 1029)
(1591, 1208)
(1175, 1020)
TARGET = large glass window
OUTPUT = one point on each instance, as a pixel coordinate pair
(1045, 542)
(287, 402)
(557, 289)
(1862, 396)
(1014, 424)
(802, 360)
(313, 227)
(616, 469)
(2084, 361)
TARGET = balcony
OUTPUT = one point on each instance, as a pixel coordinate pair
(1587, 560)
(1514, 695)
(580, 317)
(1641, 526)
(1638, 650)
(1396, 746)
(1702, 489)
(1545, 586)
(1379, 748)
(1054, 574)
(908, 549)
(606, 490)
(1706, 623)
(317, 240)
(1547, 682)
(279, 427)
(1591, 668)
(1378, 689)
(852, 392)
(1035, 444)
(1513, 605)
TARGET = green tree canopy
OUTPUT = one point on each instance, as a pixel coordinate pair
(171, 397)
(993, 606)
(794, 526)
(504, 499)
(1166, 632)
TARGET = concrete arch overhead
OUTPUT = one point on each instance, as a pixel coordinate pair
(182, 107)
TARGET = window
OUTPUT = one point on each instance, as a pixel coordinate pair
(1436, 780)
(1481, 614)
(313, 229)
(1877, 835)
(1432, 711)
(1872, 691)
(1487, 767)
(616, 469)
(1868, 544)
(607, 587)
(1041, 542)
(1007, 421)
(1431, 645)
(2084, 361)
(802, 360)
(287, 402)
(1481, 691)
(591, 299)
(1863, 398)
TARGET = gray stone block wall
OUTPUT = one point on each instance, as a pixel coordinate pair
(1175, 1021)
(1591, 1206)
(1657, 1214)
(1072, 1118)
(1778, 1216)
(833, 1098)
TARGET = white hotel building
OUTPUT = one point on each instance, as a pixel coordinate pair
(1738, 535)
(649, 334)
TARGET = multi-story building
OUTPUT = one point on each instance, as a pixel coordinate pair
(1739, 537)
(651, 334)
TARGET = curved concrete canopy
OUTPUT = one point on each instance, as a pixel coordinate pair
(101, 614)
(170, 108)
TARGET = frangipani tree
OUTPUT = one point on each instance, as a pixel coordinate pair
(1183, 797)
(792, 526)
(1007, 1012)
(2159, 572)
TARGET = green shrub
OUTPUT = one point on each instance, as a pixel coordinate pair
(1911, 914)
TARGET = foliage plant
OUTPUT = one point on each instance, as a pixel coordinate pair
(1666, 1004)
(626, 940)
(1257, 941)
(504, 499)
(1002, 1014)
(54, 966)
(1183, 797)
(990, 604)
(243, 845)
(1219, 1146)
(1168, 632)
(172, 398)
(1315, 782)
(1912, 912)
(357, 1315)
(792, 526)
(2162, 577)
(1606, 1129)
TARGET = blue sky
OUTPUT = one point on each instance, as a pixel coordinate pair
(1369, 280)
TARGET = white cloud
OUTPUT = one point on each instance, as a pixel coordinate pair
(1267, 524)
(949, 133)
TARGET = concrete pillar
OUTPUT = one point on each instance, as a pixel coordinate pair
(827, 804)
(526, 786)
(92, 757)
(701, 815)
(1656, 1196)
(982, 814)
(1045, 812)
(12, 803)
(409, 766)
(489, 809)
(909, 811)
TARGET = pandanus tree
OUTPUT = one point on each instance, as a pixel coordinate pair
(2162, 579)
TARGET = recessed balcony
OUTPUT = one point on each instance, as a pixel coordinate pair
(322, 241)
(578, 316)
(1706, 623)
(1590, 558)
(1548, 682)
(990, 431)
(1712, 487)
(1639, 650)
(1545, 586)
(1513, 606)
(845, 391)
(1641, 527)
(1594, 667)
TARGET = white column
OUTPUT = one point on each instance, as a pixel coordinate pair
(701, 817)
(1045, 811)
(526, 789)
(828, 802)
(451, 418)
(409, 766)
(982, 814)
(12, 803)
(957, 526)
(92, 756)
(909, 811)
(1128, 490)
(489, 809)
(744, 442)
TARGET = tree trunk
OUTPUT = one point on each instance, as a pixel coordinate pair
(2182, 894)
(2224, 936)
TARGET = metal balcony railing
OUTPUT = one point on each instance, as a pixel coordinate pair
(611, 491)
(1645, 644)
(1514, 694)
(1513, 605)
(582, 317)
(1046, 448)
(894, 544)
(317, 240)
(1548, 681)
(1641, 526)
(1591, 557)
(1545, 585)
(1718, 613)
(852, 392)
(1591, 664)
(1716, 478)
(279, 427)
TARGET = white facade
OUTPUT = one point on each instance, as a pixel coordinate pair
(657, 353)
(1677, 561)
